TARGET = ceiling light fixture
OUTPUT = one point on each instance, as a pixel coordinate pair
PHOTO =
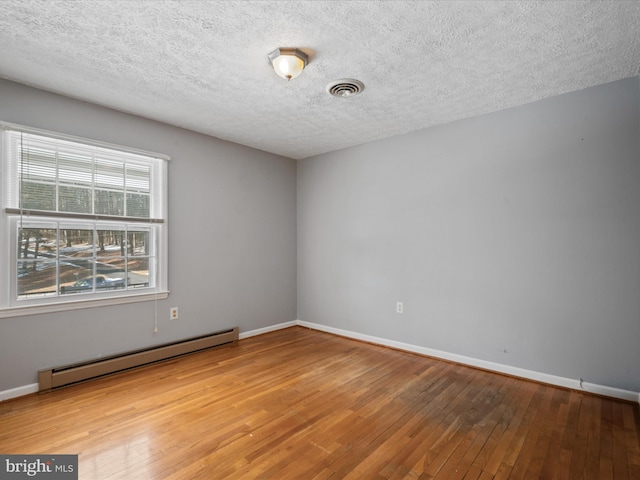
(288, 62)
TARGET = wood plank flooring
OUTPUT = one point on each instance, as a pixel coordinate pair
(302, 404)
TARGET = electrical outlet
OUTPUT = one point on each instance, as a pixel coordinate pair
(399, 307)
(173, 313)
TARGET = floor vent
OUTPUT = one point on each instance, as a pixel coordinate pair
(69, 374)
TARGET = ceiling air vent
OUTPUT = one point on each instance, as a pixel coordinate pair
(346, 87)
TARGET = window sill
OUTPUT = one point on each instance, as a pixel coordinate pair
(80, 304)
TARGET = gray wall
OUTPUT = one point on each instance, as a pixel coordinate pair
(517, 231)
(232, 241)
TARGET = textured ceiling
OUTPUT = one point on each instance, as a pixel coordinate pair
(203, 65)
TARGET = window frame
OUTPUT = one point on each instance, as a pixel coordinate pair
(10, 218)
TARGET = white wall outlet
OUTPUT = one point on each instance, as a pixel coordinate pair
(399, 307)
(173, 313)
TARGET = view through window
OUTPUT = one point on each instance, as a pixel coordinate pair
(84, 219)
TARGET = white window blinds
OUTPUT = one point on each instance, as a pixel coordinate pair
(59, 176)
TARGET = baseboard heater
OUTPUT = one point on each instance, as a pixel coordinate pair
(66, 375)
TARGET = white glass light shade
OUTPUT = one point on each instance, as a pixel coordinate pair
(288, 62)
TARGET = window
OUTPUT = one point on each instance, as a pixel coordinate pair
(81, 222)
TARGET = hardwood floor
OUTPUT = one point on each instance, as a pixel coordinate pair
(302, 404)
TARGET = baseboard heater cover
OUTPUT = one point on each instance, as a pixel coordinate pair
(68, 374)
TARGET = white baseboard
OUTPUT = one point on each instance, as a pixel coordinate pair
(270, 328)
(492, 366)
(473, 362)
(18, 391)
